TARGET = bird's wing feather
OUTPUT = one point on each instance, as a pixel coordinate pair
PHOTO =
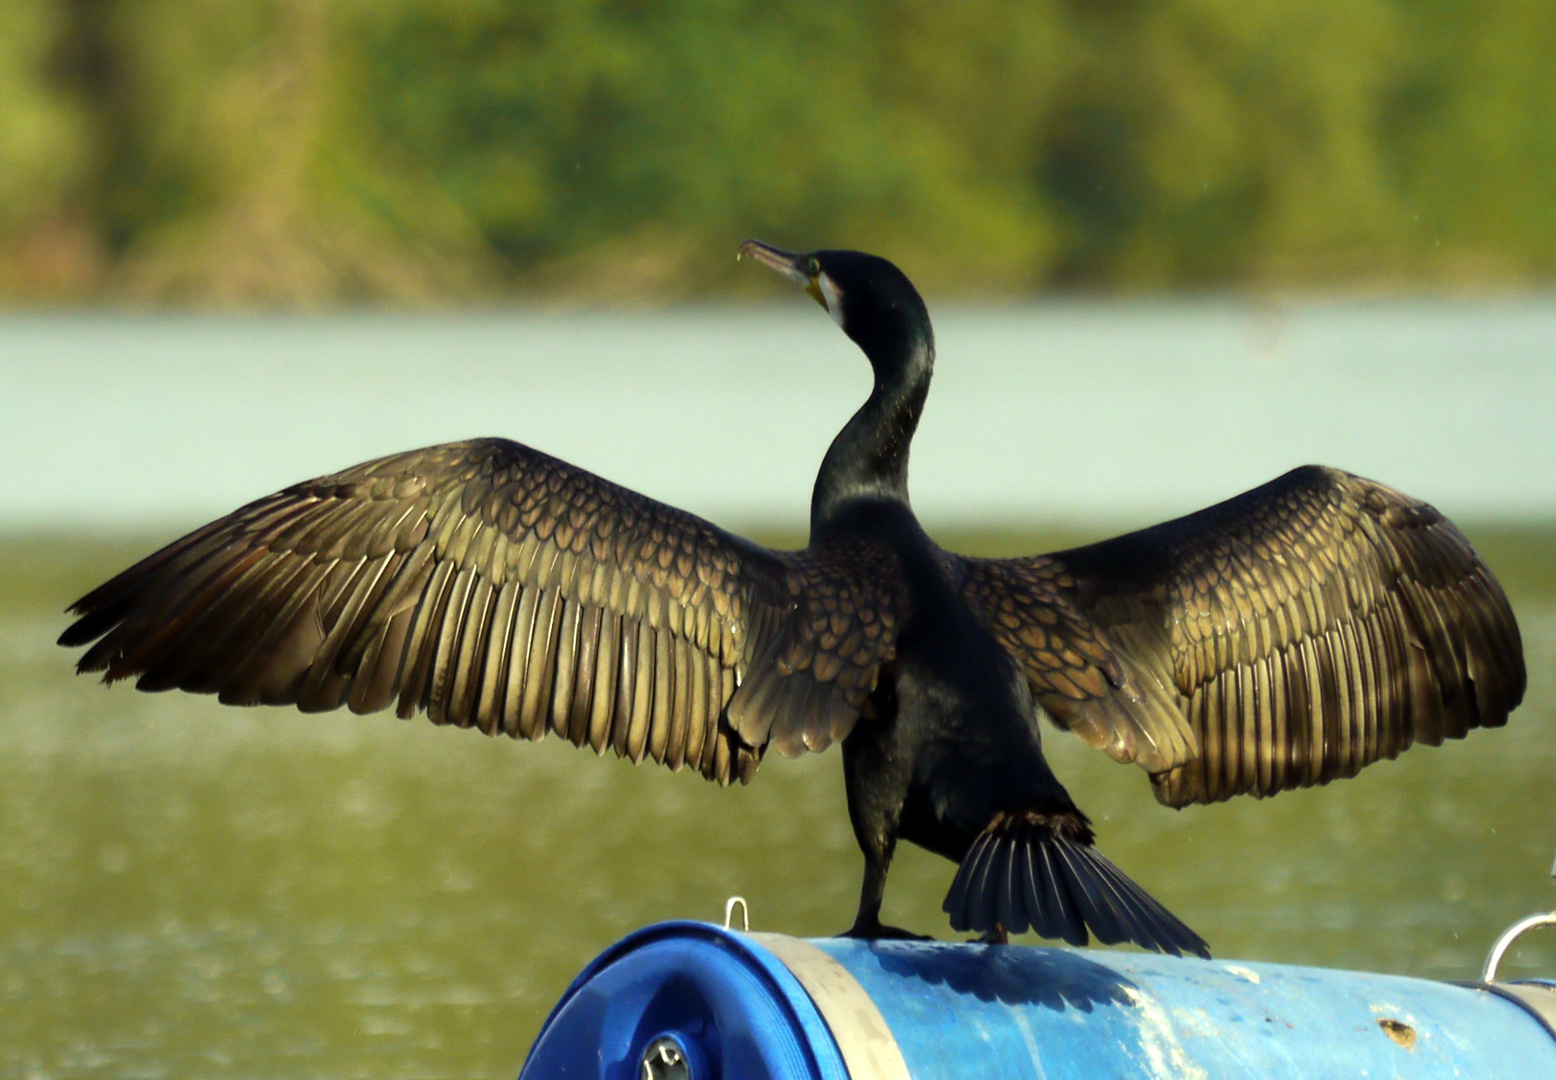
(812, 678)
(1281, 639)
(1074, 667)
(496, 587)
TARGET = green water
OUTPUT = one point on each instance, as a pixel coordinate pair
(192, 891)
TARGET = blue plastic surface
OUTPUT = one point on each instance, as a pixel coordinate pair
(743, 1010)
(961, 1011)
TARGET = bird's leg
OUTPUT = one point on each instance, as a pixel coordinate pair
(875, 800)
(867, 924)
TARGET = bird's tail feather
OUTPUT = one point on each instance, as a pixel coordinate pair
(1023, 871)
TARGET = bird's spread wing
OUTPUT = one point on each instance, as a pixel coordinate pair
(1280, 639)
(496, 587)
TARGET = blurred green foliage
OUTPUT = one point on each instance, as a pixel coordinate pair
(298, 151)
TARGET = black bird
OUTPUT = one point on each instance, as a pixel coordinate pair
(1281, 639)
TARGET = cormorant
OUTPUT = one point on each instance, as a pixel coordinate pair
(1281, 639)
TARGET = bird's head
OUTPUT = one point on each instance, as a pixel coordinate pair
(874, 302)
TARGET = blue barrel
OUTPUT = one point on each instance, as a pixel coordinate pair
(694, 1001)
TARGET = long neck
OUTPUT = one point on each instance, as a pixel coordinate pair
(869, 457)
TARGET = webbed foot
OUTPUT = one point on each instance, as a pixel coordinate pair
(996, 936)
(875, 930)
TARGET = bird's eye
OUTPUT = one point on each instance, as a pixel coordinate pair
(813, 266)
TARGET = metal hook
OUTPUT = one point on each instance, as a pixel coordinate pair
(745, 913)
(1511, 934)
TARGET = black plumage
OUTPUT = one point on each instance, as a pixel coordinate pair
(1281, 639)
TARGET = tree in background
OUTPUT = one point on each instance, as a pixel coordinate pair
(44, 157)
(302, 152)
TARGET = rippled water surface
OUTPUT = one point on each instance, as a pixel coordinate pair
(193, 891)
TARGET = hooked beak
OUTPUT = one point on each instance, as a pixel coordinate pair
(787, 263)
